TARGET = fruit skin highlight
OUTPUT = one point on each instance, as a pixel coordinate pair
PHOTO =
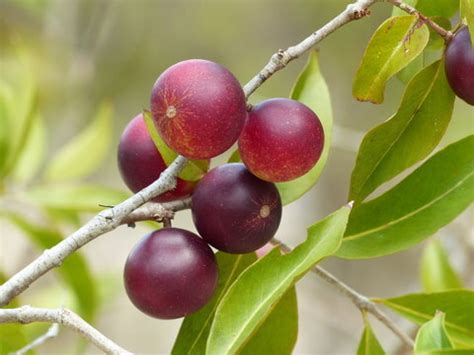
(234, 211)
(281, 140)
(459, 65)
(170, 273)
(199, 108)
(140, 162)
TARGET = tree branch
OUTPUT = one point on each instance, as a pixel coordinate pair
(360, 301)
(153, 211)
(104, 222)
(447, 35)
(280, 59)
(27, 314)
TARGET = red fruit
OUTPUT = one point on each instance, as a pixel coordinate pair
(281, 140)
(170, 273)
(199, 108)
(459, 65)
(235, 211)
(140, 163)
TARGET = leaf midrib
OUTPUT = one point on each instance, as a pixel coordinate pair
(409, 122)
(212, 313)
(264, 302)
(401, 219)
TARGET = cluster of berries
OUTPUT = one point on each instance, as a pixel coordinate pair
(199, 110)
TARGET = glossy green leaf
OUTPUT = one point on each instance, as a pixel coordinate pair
(194, 331)
(276, 335)
(408, 136)
(429, 198)
(444, 8)
(252, 296)
(86, 151)
(467, 14)
(397, 42)
(12, 336)
(74, 270)
(194, 169)
(437, 273)
(456, 304)
(432, 335)
(310, 89)
(84, 198)
(369, 345)
(407, 73)
(32, 154)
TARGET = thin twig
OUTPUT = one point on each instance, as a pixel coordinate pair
(280, 59)
(360, 301)
(63, 316)
(153, 211)
(52, 332)
(104, 222)
(447, 35)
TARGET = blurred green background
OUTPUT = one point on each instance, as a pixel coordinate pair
(86, 52)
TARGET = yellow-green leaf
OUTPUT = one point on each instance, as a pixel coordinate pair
(86, 151)
(437, 273)
(467, 14)
(369, 345)
(432, 335)
(394, 45)
(252, 296)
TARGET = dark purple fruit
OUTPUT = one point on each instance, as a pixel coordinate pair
(234, 211)
(281, 140)
(140, 163)
(170, 273)
(459, 65)
(199, 108)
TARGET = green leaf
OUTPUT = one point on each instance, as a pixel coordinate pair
(32, 154)
(74, 270)
(369, 345)
(311, 90)
(194, 331)
(83, 198)
(408, 136)
(5, 108)
(407, 73)
(393, 46)
(456, 304)
(19, 90)
(467, 14)
(444, 8)
(235, 157)
(278, 333)
(432, 335)
(194, 169)
(429, 198)
(252, 296)
(86, 151)
(436, 272)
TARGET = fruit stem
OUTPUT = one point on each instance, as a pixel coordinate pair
(447, 35)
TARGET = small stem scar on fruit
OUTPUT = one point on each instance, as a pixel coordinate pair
(171, 112)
